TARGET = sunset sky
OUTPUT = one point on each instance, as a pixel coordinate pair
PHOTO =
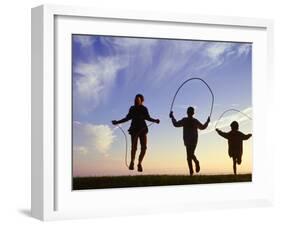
(109, 71)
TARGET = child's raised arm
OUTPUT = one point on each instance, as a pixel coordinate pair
(246, 136)
(203, 126)
(223, 134)
(175, 122)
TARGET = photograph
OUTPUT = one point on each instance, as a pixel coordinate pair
(154, 111)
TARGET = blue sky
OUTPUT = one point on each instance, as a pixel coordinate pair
(109, 71)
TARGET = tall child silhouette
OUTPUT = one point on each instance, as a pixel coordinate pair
(138, 113)
(190, 136)
(235, 143)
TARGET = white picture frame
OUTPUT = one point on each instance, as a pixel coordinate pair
(52, 197)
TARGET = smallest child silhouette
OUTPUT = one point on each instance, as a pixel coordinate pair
(235, 143)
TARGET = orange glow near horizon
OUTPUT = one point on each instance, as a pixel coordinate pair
(161, 159)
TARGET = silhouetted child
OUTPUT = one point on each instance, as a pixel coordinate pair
(190, 136)
(138, 129)
(235, 143)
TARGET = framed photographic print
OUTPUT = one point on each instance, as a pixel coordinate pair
(137, 112)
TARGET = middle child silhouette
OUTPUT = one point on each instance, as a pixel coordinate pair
(190, 136)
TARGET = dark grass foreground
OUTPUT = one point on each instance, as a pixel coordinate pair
(153, 180)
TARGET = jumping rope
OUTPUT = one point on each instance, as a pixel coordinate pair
(126, 140)
(126, 144)
(188, 80)
(228, 110)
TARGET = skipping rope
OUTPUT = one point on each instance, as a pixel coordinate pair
(188, 80)
(126, 141)
(228, 110)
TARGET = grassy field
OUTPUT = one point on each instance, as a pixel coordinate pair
(153, 180)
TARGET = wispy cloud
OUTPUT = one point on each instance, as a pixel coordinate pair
(184, 106)
(244, 49)
(160, 59)
(128, 44)
(215, 54)
(235, 105)
(138, 53)
(90, 138)
(174, 59)
(84, 40)
(181, 58)
(95, 80)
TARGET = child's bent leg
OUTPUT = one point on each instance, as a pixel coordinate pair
(194, 158)
(239, 159)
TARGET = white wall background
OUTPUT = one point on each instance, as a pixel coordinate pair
(15, 111)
